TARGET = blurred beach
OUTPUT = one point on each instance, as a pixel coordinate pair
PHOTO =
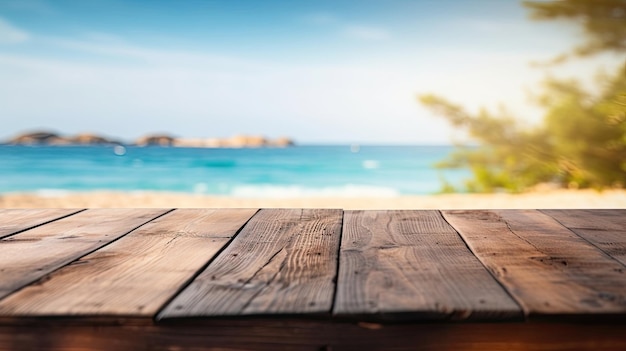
(358, 105)
(348, 177)
(268, 172)
(553, 199)
(311, 104)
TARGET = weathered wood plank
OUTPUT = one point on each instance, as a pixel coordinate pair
(283, 262)
(413, 265)
(297, 334)
(13, 221)
(548, 269)
(606, 229)
(30, 255)
(135, 275)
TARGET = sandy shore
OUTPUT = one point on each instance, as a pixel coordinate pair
(547, 199)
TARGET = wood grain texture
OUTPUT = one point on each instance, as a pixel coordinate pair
(548, 269)
(17, 220)
(30, 255)
(135, 275)
(605, 229)
(297, 335)
(283, 262)
(412, 265)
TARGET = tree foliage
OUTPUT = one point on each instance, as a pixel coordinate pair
(603, 22)
(581, 141)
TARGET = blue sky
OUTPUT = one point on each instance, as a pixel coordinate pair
(317, 71)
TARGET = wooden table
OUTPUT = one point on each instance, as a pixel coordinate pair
(316, 279)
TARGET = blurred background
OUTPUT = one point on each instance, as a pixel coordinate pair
(310, 99)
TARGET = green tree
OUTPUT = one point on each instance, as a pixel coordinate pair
(603, 22)
(581, 141)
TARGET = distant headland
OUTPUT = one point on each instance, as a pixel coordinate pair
(238, 141)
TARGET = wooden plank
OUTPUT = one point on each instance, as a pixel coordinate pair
(412, 265)
(30, 255)
(13, 221)
(135, 275)
(315, 335)
(283, 262)
(606, 229)
(547, 268)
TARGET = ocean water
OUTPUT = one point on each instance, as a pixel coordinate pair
(265, 172)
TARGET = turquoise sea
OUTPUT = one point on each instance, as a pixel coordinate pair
(342, 170)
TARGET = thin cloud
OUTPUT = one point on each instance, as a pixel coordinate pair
(353, 31)
(366, 33)
(489, 26)
(10, 34)
(117, 47)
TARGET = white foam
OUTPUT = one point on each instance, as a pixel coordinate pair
(200, 188)
(294, 191)
(370, 164)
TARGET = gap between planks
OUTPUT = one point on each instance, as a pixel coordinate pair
(135, 275)
(412, 265)
(550, 271)
(14, 221)
(31, 255)
(282, 262)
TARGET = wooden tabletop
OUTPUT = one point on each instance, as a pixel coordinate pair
(312, 279)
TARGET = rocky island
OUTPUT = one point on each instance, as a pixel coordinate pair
(239, 141)
(52, 139)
